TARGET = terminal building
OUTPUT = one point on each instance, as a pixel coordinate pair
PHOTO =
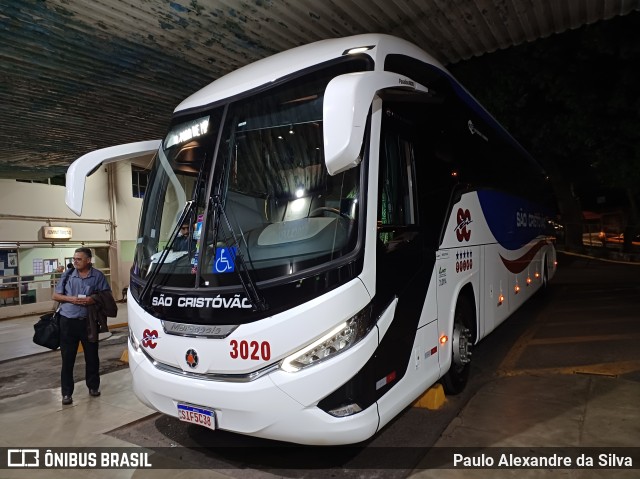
(72, 88)
(38, 234)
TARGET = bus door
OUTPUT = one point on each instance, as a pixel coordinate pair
(403, 268)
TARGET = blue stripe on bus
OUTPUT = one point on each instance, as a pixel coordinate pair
(513, 221)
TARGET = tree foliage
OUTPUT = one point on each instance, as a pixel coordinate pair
(572, 100)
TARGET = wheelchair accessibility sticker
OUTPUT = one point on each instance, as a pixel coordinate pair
(225, 260)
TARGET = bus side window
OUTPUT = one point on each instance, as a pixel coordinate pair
(397, 204)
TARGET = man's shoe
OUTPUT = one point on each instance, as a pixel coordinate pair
(94, 392)
(66, 400)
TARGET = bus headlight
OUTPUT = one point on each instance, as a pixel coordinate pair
(339, 339)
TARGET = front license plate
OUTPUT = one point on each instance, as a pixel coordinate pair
(197, 415)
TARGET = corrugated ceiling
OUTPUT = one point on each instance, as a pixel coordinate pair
(79, 75)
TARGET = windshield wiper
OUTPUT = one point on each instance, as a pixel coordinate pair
(250, 288)
(165, 252)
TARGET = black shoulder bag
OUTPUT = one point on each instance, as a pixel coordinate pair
(47, 329)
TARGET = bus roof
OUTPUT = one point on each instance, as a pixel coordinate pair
(272, 68)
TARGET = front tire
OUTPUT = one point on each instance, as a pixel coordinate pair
(455, 380)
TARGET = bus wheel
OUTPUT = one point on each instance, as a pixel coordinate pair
(462, 341)
(544, 283)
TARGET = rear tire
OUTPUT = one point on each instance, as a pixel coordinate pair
(455, 380)
(544, 283)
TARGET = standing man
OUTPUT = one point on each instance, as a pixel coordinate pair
(73, 292)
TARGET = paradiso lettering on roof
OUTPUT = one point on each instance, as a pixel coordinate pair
(56, 232)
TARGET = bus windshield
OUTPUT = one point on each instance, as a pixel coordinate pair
(244, 185)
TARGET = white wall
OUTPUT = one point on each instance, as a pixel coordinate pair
(35, 203)
(127, 207)
(128, 216)
(47, 201)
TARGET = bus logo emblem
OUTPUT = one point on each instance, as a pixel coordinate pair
(192, 358)
(148, 338)
(464, 220)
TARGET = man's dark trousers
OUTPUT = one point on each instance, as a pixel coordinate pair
(72, 332)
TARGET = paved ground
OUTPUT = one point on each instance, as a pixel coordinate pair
(41, 371)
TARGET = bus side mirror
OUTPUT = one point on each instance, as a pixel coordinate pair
(87, 164)
(347, 99)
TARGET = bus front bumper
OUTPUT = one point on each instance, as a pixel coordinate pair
(279, 405)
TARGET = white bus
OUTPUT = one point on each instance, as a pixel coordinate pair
(354, 222)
